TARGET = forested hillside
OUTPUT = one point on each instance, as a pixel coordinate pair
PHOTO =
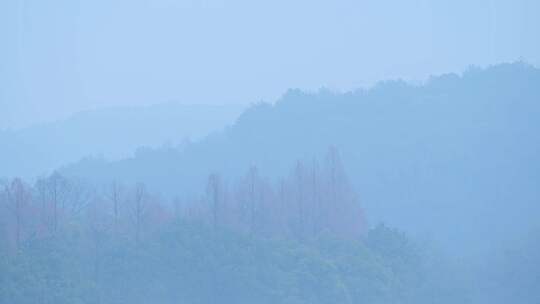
(420, 156)
(269, 152)
(285, 205)
(64, 241)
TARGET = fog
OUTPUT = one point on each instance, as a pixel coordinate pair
(63, 56)
(238, 152)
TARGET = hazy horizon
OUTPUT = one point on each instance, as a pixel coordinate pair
(282, 152)
(61, 57)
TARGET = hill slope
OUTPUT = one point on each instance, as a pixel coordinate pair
(112, 133)
(458, 157)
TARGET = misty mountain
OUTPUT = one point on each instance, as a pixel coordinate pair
(458, 156)
(112, 133)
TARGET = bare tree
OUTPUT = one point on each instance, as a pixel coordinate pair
(252, 203)
(99, 225)
(17, 197)
(41, 188)
(78, 196)
(139, 209)
(213, 192)
(316, 212)
(299, 179)
(58, 188)
(344, 214)
(114, 195)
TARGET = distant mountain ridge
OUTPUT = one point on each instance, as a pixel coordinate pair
(460, 146)
(112, 133)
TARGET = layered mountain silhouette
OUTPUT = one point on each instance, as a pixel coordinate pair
(112, 133)
(458, 156)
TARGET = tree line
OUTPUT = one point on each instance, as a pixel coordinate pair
(299, 239)
(314, 199)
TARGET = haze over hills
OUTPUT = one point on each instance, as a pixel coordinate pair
(269, 152)
(284, 205)
(111, 133)
(459, 147)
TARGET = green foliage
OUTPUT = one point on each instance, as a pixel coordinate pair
(191, 263)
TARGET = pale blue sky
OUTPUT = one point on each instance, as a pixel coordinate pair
(62, 56)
